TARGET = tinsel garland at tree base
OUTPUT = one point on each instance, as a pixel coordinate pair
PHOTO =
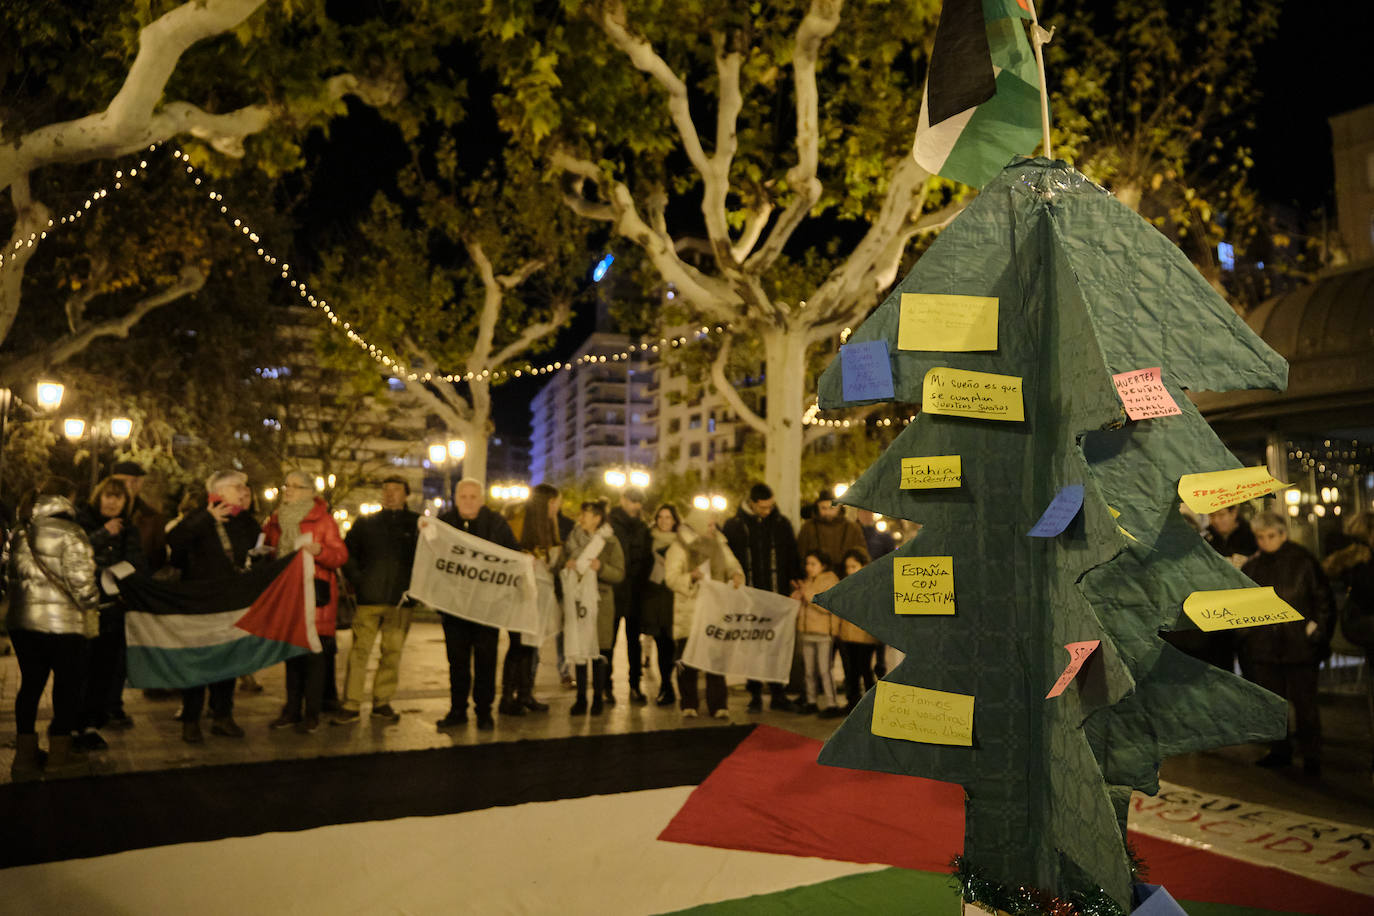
(1000, 898)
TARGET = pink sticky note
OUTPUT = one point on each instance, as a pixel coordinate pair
(1144, 394)
(1078, 654)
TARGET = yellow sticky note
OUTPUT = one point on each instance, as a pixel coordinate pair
(947, 323)
(972, 394)
(1235, 608)
(932, 473)
(917, 714)
(923, 585)
(1215, 490)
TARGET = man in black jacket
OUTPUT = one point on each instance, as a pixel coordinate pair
(381, 552)
(761, 539)
(1283, 657)
(638, 546)
(210, 543)
(471, 646)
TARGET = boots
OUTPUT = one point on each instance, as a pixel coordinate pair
(600, 688)
(510, 683)
(63, 762)
(579, 705)
(525, 694)
(28, 759)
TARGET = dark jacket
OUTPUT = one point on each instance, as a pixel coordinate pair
(198, 552)
(488, 525)
(833, 536)
(381, 552)
(152, 534)
(878, 543)
(1240, 541)
(766, 548)
(638, 546)
(127, 546)
(1297, 578)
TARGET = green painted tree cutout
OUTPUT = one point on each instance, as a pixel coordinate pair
(1086, 290)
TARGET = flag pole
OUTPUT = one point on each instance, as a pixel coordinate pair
(1039, 38)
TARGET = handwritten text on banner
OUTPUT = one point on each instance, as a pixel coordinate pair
(1215, 490)
(1078, 654)
(932, 473)
(1235, 608)
(972, 394)
(917, 714)
(1144, 395)
(947, 323)
(923, 585)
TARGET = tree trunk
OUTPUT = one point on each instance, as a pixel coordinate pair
(479, 432)
(784, 386)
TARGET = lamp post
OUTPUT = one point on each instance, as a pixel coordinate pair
(74, 428)
(448, 456)
(49, 397)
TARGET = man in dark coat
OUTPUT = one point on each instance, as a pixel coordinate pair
(210, 543)
(1230, 536)
(471, 647)
(1283, 657)
(638, 546)
(829, 532)
(761, 539)
(381, 552)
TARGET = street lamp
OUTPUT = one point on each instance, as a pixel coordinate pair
(709, 501)
(449, 457)
(615, 479)
(49, 395)
(49, 398)
(75, 428)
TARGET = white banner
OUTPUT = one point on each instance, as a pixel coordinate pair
(550, 617)
(742, 632)
(470, 577)
(580, 598)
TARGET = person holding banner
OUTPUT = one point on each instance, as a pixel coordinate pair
(700, 550)
(471, 646)
(302, 514)
(657, 618)
(817, 626)
(595, 564)
(536, 528)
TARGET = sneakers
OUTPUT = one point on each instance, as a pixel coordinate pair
(666, 697)
(308, 725)
(190, 731)
(385, 712)
(346, 717)
(226, 727)
(90, 740)
(485, 722)
(452, 720)
(689, 714)
(285, 720)
(567, 681)
(721, 713)
(637, 696)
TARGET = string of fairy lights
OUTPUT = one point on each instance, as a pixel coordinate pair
(122, 177)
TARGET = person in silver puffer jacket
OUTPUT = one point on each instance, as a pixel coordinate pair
(53, 596)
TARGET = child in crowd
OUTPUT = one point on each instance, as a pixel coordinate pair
(857, 647)
(816, 626)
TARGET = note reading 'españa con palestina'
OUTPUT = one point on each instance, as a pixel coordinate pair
(923, 585)
(972, 394)
(947, 323)
(1215, 490)
(932, 472)
(926, 716)
(1235, 608)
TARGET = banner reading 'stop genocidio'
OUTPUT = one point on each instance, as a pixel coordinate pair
(742, 632)
(470, 577)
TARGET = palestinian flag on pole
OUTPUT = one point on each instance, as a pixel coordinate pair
(182, 634)
(982, 99)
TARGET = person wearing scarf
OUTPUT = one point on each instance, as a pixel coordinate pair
(699, 544)
(657, 618)
(609, 566)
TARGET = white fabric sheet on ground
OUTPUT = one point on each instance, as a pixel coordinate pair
(597, 855)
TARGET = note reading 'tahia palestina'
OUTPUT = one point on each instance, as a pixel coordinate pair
(932, 472)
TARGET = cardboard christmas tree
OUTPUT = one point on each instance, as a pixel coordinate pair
(1010, 332)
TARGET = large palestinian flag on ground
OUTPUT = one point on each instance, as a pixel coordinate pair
(183, 634)
(709, 820)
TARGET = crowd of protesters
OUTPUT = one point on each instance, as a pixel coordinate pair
(66, 622)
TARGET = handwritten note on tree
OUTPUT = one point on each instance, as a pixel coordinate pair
(947, 323)
(1215, 490)
(923, 585)
(1236, 608)
(972, 394)
(1061, 510)
(932, 472)
(866, 371)
(926, 716)
(1144, 395)
(1078, 655)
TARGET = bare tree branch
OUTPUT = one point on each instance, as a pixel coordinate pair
(820, 22)
(753, 228)
(532, 334)
(64, 348)
(731, 394)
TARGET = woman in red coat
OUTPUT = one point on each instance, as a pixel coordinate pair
(302, 513)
